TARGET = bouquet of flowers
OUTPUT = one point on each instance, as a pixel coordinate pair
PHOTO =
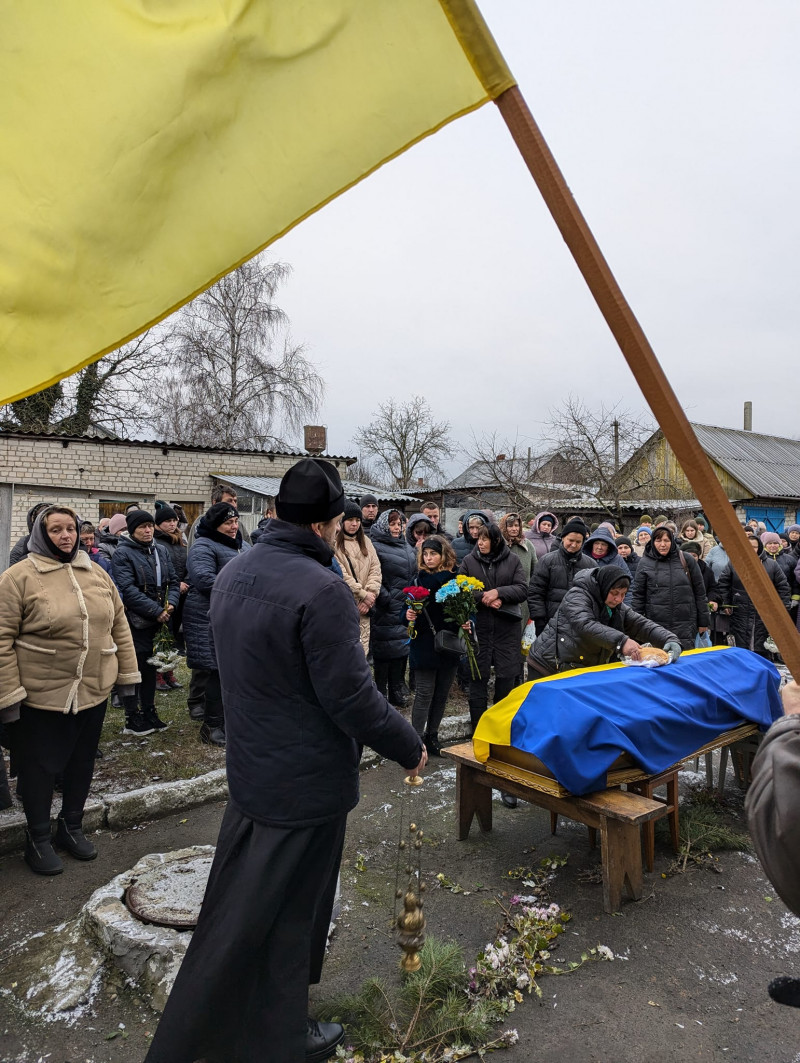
(458, 600)
(415, 599)
(165, 652)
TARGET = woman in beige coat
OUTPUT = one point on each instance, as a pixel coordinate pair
(64, 642)
(360, 566)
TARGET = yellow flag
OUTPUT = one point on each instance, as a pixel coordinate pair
(147, 147)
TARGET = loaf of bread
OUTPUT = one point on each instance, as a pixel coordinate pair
(653, 653)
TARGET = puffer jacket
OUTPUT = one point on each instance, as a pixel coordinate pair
(136, 568)
(176, 550)
(747, 627)
(64, 639)
(612, 557)
(543, 544)
(498, 635)
(585, 632)
(463, 543)
(294, 729)
(552, 578)
(398, 567)
(207, 557)
(361, 574)
(670, 591)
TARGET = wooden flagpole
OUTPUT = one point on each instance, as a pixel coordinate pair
(648, 372)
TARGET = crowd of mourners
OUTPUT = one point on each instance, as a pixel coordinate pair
(577, 595)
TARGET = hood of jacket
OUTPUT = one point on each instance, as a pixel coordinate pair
(549, 515)
(465, 524)
(604, 535)
(650, 549)
(416, 518)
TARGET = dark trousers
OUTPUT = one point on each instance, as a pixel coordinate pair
(241, 994)
(197, 687)
(56, 743)
(214, 710)
(145, 694)
(479, 694)
(432, 686)
(389, 675)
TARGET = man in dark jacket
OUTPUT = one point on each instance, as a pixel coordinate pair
(747, 627)
(369, 511)
(299, 703)
(431, 511)
(593, 626)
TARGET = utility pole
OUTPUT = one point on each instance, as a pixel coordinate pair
(616, 445)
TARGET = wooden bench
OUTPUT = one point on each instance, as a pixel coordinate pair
(617, 814)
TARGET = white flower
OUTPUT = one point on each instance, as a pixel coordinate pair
(604, 952)
(523, 980)
(510, 1037)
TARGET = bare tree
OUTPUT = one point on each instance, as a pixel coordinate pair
(594, 444)
(107, 394)
(235, 378)
(505, 472)
(365, 471)
(406, 441)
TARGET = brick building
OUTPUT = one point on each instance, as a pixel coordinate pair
(100, 476)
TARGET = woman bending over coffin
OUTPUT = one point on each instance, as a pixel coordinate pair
(593, 626)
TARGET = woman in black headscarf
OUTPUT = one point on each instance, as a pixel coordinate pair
(593, 626)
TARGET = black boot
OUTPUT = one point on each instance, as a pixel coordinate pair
(70, 837)
(431, 741)
(322, 1039)
(508, 799)
(39, 853)
(212, 733)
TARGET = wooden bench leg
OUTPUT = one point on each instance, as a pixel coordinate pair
(622, 862)
(472, 800)
(674, 820)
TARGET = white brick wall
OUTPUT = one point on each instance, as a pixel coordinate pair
(85, 472)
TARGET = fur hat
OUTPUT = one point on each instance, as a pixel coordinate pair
(310, 491)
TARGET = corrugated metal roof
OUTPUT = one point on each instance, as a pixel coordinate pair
(767, 466)
(268, 485)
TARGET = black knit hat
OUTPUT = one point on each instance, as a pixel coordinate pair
(368, 500)
(219, 513)
(623, 540)
(165, 513)
(692, 547)
(310, 492)
(137, 517)
(352, 510)
(574, 527)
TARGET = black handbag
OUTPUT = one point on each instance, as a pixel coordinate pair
(448, 643)
(510, 610)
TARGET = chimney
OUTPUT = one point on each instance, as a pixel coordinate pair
(748, 417)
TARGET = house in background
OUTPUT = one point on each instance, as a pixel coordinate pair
(99, 476)
(759, 473)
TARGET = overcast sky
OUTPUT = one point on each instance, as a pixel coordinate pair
(676, 127)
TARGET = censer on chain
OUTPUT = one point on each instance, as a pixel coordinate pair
(410, 921)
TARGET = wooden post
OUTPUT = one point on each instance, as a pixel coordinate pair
(648, 372)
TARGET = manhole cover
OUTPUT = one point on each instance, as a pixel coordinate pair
(171, 893)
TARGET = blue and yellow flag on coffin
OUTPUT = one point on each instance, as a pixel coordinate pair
(578, 723)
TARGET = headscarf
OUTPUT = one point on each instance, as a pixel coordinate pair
(41, 543)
